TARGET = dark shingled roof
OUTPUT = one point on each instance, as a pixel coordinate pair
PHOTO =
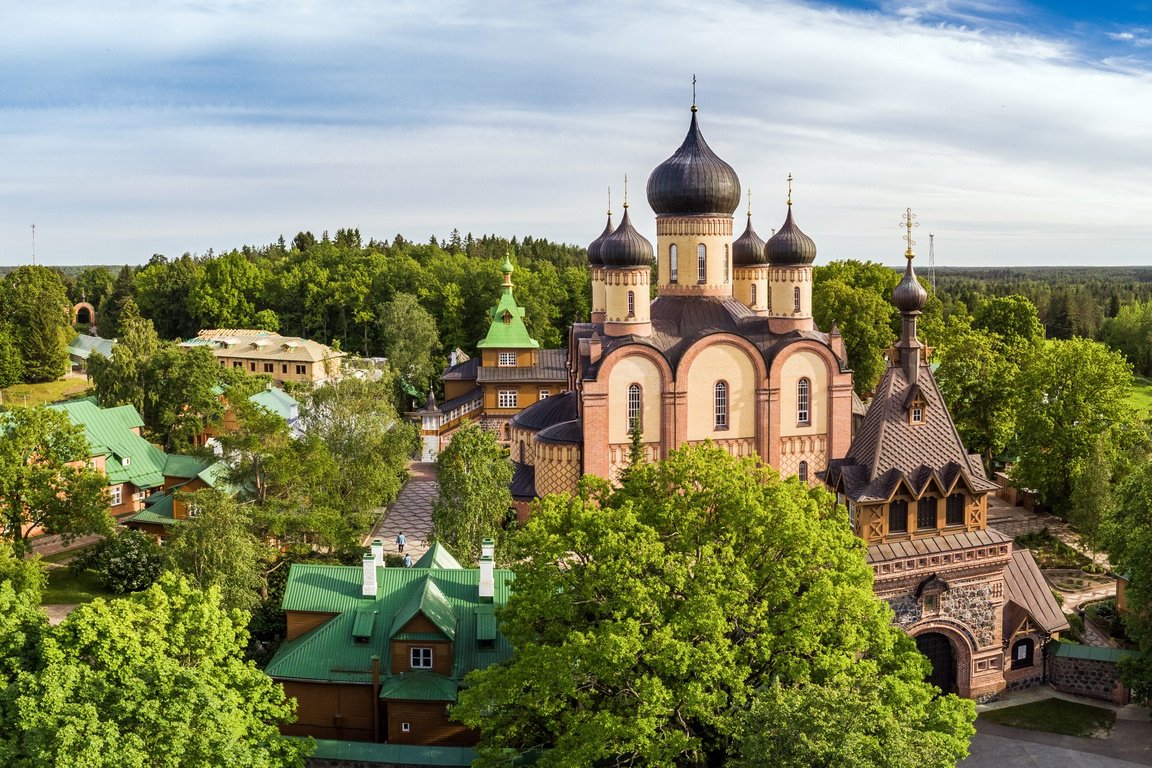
(456, 402)
(678, 322)
(544, 413)
(551, 365)
(888, 449)
(523, 485)
(465, 371)
(566, 433)
(935, 545)
(1025, 588)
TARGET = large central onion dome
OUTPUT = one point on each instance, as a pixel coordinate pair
(748, 249)
(594, 258)
(790, 246)
(626, 248)
(694, 181)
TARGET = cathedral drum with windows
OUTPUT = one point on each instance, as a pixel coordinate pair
(727, 351)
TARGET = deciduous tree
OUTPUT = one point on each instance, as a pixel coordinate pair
(46, 484)
(703, 614)
(473, 499)
(33, 301)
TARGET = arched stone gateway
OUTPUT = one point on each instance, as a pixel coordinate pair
(84, 314)
(937, 648)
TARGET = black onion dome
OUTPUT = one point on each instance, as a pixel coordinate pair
(626, 248)
(748, 250)
(594, 246)
(694, 181)
(909, 295)
(790, 246)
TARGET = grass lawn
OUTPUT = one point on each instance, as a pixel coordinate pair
(1056, 716)
(65, 556)
(1141, 396)
(66, 587)
(48, 392)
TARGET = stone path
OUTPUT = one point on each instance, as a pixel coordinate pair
(410, 514)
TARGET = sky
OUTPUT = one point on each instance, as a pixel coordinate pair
(1018, 133)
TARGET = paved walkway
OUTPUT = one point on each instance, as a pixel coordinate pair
(998, 746)
(410, 514)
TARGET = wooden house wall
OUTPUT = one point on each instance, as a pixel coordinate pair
(331, 710)
(300, 622)
(428, 725)
(442, 660)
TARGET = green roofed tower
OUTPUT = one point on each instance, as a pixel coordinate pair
(507, 330)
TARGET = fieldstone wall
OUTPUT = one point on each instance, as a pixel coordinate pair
(1087, 677)
(975, 606)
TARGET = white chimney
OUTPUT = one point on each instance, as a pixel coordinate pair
(378, 552)
(369, 575)
(487, 570)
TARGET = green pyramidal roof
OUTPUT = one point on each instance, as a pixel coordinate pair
(427, 599)
(507, 330)
(438, 557)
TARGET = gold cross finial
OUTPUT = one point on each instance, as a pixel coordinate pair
(625, 190)
(907, 221)
(749, 202)
(609, 199)
(693, 92)
(789, 189)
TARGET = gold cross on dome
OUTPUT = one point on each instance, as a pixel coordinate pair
(907, 221)
(789, 189)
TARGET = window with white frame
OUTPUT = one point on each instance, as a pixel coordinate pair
(720, 404)
(673, 263)
(803, 473)
(633, 406)
(701, 263)
(544, 394)
(796, 299)
(506, 398)
(117, 494)
(507, 359)
(193, 510)
(631, 303)
(803, 400)
(421, 658)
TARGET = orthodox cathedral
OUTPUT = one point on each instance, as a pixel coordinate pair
(728, 351)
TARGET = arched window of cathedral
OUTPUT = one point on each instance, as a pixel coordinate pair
(803, 473)
(720, 404)
(725, 262)
(634, 407)
(523, 451)
(673, 264)
(796, 299)
(631, 303)
(701, 263)
(803, 402)
(753, 294)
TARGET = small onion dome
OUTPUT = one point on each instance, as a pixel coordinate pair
(626, 248)
(506, 267)
(748, 249)
(694, 181)
(909, 295)
(594, 259)
(790, 246)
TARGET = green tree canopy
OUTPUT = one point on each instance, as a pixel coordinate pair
(1127, 537)
(410, 340)
(700, 615)
(153, 680)
(473, 499)
(857, 297)
(46, 484)
(1074, 410)
(1012, 318)
(34, 302)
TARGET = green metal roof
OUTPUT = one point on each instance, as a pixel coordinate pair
(437, 556)
(485, 622)
(158, 510)
(1076, 651)
(393, 754)
(187, 467)
(362, 626)
(419, 686)
(427, 599)
(330, 652)
(129, 458)
(84, 345)
(507, 330)
(278, 402)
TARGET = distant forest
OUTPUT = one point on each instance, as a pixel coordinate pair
(333, 289)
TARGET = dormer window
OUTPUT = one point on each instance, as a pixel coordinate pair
(421, 658)
(507, 359)
(916, 415)
(507, 317)
(915, 404)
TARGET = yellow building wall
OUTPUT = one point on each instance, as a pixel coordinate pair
(617, 284)
(525, 358)
(743, 280)
(810, 366)
(731, 364)
(782, 281)
(714, 232)
(634, 369)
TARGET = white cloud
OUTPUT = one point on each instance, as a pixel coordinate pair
(182, 126)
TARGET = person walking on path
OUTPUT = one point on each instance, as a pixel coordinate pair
(400, 542)
(407, 561)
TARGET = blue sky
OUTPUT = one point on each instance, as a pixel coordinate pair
(1019, 133)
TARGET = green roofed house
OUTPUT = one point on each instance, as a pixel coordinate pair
(378, 654)
(511, 373)
(140, 475)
